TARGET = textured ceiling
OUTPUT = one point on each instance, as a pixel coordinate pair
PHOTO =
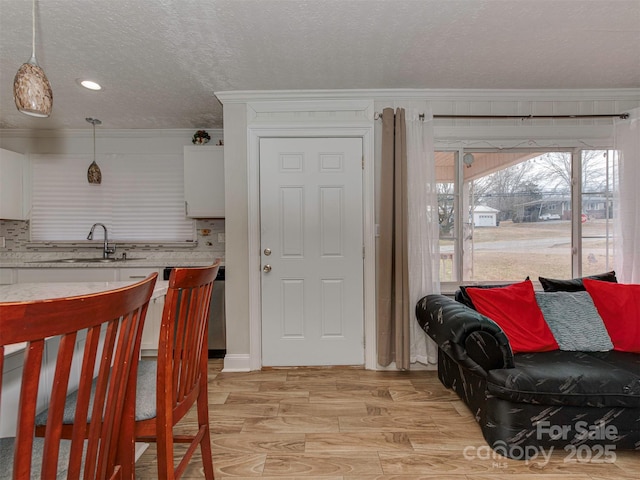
(160, 61)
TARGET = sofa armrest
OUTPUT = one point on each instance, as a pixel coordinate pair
(471, 339)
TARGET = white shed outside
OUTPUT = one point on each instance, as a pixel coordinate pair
(484, 216)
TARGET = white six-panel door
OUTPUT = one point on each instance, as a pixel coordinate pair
(311, 243)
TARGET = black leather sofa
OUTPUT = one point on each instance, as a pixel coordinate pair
(586, 403)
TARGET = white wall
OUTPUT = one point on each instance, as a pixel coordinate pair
(236, 231)
(282, 109)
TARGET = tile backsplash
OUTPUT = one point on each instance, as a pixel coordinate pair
(210, 242)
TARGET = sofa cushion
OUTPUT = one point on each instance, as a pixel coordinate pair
(574, 321)
(575, 284)
(599, 379)
(515, 310)
(619, 307)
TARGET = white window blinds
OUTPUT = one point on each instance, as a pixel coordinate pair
(141, 198)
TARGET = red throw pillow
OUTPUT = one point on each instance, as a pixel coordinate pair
(619, 306)
(515, 309)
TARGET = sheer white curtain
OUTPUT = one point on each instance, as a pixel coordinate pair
(422, 226)
(627, 225)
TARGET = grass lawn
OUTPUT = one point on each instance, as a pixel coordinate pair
(514, 251)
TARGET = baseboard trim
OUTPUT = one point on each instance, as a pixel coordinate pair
(235, 362)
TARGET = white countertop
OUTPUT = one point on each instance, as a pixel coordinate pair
(151, 262)
(25, 292)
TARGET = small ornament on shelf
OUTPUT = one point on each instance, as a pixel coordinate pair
(200, 137)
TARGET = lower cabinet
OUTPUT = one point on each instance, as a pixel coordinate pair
(43, 275)
(82, 274)
(151, 332)
(12, 379)
(7, 276)
(137, 273)
(13, 363)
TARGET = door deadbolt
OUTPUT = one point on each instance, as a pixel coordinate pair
(267, 251)
(266, 268)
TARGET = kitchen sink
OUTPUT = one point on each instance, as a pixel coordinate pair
(88, 260)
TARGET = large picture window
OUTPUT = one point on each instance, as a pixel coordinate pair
(141, 198)
(506, 215)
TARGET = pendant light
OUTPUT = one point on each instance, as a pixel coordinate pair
(94, 175)
(31, 89)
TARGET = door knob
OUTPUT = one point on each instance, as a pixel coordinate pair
(266, 268)
(267, 251)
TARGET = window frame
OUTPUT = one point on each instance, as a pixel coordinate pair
(576, 194)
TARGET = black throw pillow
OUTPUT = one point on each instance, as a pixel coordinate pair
(575, 284)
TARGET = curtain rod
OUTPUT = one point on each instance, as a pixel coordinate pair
(622, 116)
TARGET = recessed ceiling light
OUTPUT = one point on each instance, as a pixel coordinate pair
(91, 85)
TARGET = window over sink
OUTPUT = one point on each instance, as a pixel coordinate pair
(141, 198)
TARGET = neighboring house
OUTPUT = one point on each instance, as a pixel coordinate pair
(596, 206)
(484, 216)
(559, 208)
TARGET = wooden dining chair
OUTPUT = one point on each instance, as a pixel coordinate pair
(168, 388)
(101, 333)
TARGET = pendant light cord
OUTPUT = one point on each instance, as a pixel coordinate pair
(33, 30)
(94, 141)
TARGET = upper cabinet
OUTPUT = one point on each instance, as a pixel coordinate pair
(12, 168)
(204, 181)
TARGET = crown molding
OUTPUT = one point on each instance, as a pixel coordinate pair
(105, 133)
(247, 96)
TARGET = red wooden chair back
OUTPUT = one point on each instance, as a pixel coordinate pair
(113, 322)
(181, 377)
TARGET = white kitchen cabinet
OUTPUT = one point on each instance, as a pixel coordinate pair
(13, 362)
(84, 274)
(11, 380)
(41, 275)
(204, 181)
(7, 276)
(12, 172)
(12, 372)
(138, 273)
(151, 332)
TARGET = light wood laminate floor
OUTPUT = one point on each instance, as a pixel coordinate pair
(352, 424)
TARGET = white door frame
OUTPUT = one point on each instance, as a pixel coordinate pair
(365, 132)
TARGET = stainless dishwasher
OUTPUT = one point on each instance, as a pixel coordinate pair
(217, 329)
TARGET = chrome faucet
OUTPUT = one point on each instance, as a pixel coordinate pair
(106, 251)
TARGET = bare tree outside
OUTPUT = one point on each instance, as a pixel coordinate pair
(507, 189)
(554, 171)
(446, 213)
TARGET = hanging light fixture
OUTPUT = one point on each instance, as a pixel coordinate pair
(94, 175)
(31, 89)
(468, 159)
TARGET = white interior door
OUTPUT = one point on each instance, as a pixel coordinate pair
(311, 242)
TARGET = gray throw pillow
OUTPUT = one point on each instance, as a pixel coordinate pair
(574, 321)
